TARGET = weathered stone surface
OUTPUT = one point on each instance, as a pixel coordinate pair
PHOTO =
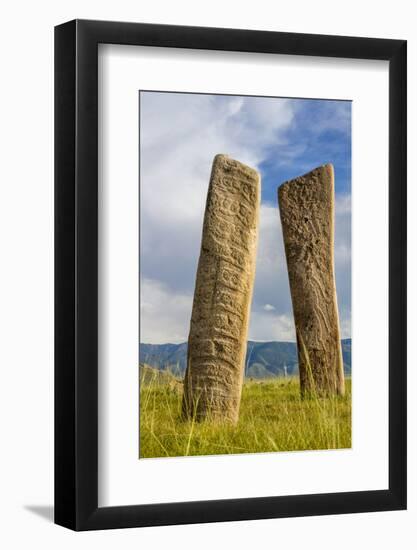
(223, 293)
(307, 216)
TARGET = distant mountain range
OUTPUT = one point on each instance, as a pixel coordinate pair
(263, 359)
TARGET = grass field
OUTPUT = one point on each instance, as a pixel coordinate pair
(273, 417)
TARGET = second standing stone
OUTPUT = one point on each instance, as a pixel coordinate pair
(307, 216)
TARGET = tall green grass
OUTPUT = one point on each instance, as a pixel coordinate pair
(273, 417)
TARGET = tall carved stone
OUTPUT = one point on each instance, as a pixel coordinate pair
(307, 216)
(223, 293)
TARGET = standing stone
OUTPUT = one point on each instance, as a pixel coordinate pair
(223, 293)
(307, 216)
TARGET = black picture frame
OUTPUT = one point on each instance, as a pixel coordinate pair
(76, 272)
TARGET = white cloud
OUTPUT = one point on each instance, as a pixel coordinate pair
(345, 326)
(342, 253)
(269, 307)
(164, 316)
(271, 279)
(265, 327)
(180, 135)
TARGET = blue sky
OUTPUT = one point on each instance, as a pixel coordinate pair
(282, 138)
(315, 142)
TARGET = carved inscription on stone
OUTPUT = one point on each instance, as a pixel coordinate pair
(307, 216)
(223, 293)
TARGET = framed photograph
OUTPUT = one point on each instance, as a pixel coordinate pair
(230, 275)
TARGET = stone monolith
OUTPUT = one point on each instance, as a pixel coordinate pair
(223, 293)
(307, 215)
